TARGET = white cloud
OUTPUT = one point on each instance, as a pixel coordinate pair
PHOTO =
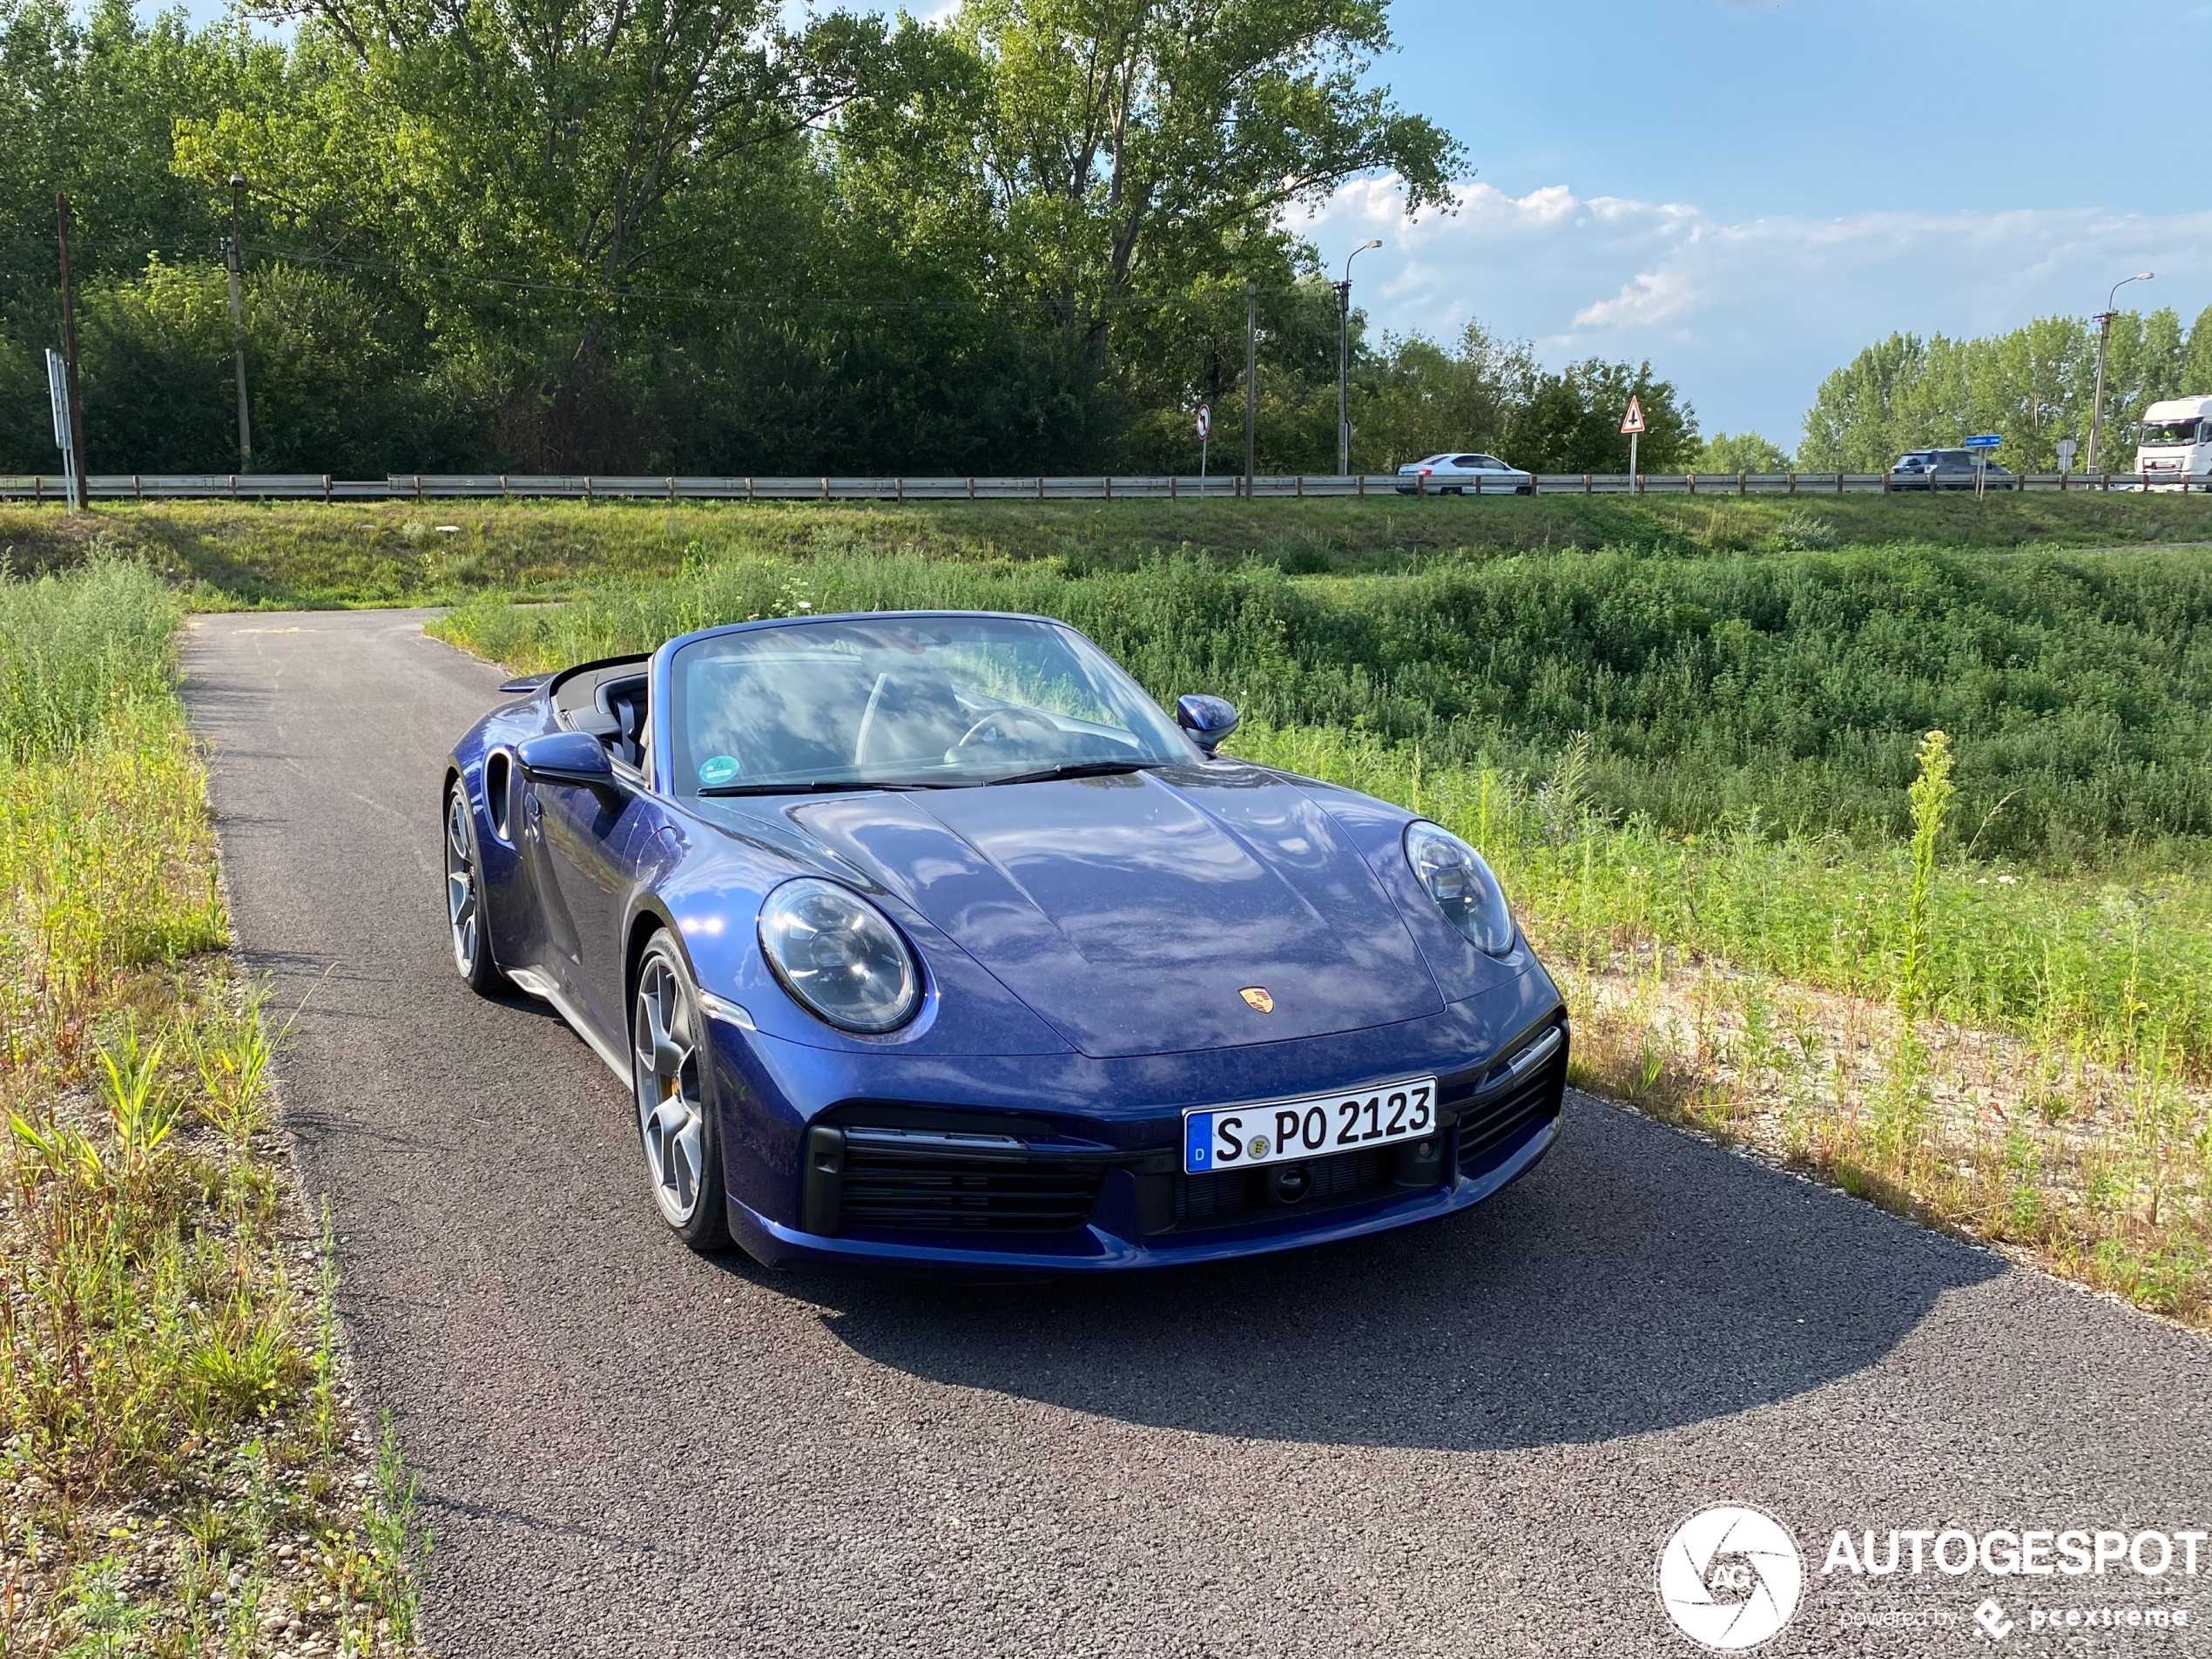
(1746, 316)
(1654, 296)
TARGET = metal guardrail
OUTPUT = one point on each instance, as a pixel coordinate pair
(595, 486)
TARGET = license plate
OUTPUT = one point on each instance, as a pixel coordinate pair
(1311, 1126)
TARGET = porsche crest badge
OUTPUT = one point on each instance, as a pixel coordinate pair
(1258, 996)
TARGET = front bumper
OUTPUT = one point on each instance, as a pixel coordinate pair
(982, 1178)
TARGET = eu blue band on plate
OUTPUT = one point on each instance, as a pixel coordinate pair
(1198, 1148)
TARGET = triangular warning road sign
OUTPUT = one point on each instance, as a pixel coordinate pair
(1633, 421)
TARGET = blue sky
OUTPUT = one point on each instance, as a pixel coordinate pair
(1747, 192)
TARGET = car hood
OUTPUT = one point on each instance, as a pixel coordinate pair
(1132, 912)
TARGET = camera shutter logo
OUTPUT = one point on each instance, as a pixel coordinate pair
(1729, 1577)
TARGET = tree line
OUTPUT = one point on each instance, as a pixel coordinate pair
(2033, 385)
(697, 236)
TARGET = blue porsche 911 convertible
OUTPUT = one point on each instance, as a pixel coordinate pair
(929, 939)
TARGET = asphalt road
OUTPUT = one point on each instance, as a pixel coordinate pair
(1471, 1438)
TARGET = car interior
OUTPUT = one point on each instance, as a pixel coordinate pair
(608, 702)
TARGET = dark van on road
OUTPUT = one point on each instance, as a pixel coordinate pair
(1946, 469)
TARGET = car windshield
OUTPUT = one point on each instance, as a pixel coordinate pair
(2161, 432)
(904, 702)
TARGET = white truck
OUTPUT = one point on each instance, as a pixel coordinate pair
(2174, 451)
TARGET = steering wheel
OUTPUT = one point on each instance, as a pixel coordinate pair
(1019, 717)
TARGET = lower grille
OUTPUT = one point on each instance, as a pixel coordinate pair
(1486, 1123)
(897, 1188)
(1219, 1197)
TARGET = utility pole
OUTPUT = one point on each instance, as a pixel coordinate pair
(1252, 377)
(69, 349)
(2104, 341)
(1344, 359)
(238, 338)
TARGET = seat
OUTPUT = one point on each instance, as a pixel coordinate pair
(623, 701)
(909, 717)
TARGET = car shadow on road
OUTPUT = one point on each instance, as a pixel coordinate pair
(1638, 1280)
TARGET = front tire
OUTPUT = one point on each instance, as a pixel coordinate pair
(465, 898)
(671, 1070)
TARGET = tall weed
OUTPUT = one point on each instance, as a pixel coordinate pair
(1794, 686)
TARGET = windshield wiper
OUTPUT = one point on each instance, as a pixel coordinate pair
(1076, 769)
(821, 786)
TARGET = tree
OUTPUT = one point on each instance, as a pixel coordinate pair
(1138, 147)
(1416, 398)
(1570, 421)
(1740, 452)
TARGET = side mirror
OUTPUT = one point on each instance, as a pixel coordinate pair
(1208, 720)
(567, 757)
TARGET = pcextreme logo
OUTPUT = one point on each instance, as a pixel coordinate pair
(1729, 1577)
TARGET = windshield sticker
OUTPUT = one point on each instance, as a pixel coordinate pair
(718, 769)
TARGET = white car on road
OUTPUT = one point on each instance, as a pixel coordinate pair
(1464, 475)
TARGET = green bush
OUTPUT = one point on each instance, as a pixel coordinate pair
(1785, 691)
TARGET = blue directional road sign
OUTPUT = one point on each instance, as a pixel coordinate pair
(1984, 441)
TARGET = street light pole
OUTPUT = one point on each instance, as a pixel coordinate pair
(2104, 342)
(1252, 377)
(238, 338)
(1344, 359)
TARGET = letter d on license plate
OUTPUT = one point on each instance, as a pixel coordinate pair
(1311, 1126)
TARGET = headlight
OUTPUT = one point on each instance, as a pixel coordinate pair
(839, 957)
(1461, 884)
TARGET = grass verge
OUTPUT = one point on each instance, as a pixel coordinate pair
(310, 556)
(181, 1470)
(2023, 1059)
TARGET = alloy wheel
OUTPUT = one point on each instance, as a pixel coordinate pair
(672, 1112)
(463, 912)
